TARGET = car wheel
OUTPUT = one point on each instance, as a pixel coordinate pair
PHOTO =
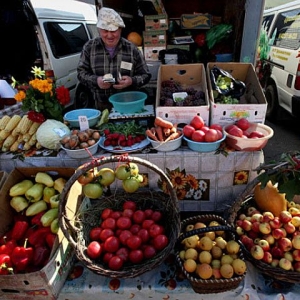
(83, 98)
(272, 100)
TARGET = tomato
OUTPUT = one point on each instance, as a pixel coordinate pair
(130, 205)
(148, 212)
(198, 136)
(123, 171)
(235, 131)
(86, 177)
(106, 233)
(94, 250)
(106, 213)
(211, 135)
(155, 230)
(127, 212)
(134, 169)
(136, 256)
(149, 251)
(124, 235)
(160, 242)
(205, 128)
(109, 223)
(92, 190)
(157, 216)
(95, 233)
(106, 176)
(115, 263)
(144, 235)
(123, 253)
(107, 256)
(111, 244)
(197, 122)
(134, 242)
(130, 185)
(135, 228)
(256, 134)
(243, 123)
(123, 222)
(116, 214)
(216, 126)
(147, 223)
(220, 134)
(188, 130)
(139, 216)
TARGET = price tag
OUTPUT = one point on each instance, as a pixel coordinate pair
(83, 123)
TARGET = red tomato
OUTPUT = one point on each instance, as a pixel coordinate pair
(156, 216)
(235, 131)
(144, 235)
(136, 256)
(124, 222)
(147, 223)
(149, 251)
(124, 235)
(94, 250)
(116, 214)
(107, 256)
(197, 122)
(220, 134)
(127, 212)
(106, 213)
(205, 128)
(246, 133)
(160, 242)
(123, 253)
(148, 213)
(115, 263)
(256, 134)
(211, 136)
(155, 230)
(106, 233)
(216, 126)
(134, 242)
(111, 244)
(109, 223)
(135, 228)
(198, 136)
(129, 204)
(243, 123)
(139, 216)
(188, 130)
(95, 233)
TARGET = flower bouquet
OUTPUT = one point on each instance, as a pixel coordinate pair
(41, 98)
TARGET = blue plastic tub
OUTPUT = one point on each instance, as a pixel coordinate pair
(92, 116)
(205, 146)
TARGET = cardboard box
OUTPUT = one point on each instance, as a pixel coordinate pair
(156, 22)
(196, 21)
(188, 75)
(155, 38)
(152, 53)
(224, 114)
(46, 283)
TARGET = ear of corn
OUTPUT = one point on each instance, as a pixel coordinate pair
(13, 122)
(32, 140)
(26, 137)
(14, 147)
(18, 128)
(20, 138)
(34, 127)
(3, 121)
(3, 135)
(8, 142)
(26, 126)
(38, 145)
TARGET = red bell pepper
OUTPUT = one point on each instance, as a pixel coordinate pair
(8, 247)
(36, 220)
(21, 257)
(50, 239)
(19, 229)
(40, 256)
(38, 237)
(5, 265)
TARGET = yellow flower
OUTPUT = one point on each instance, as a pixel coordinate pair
(38, 72)
(181, 193)
(192, 182)
(241, 177)
(178, 180)
(20, 96)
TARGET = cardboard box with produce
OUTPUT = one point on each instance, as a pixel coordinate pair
(39, 256)
(235, 93)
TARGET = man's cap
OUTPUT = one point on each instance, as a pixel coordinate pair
(109, 19)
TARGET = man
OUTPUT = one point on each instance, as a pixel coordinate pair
(111, 54)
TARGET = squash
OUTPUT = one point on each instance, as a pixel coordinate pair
(269, 199)
(135, 38)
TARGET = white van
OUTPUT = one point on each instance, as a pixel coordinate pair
(279, 65)
(49, 34)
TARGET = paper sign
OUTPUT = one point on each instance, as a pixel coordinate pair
(83, 123)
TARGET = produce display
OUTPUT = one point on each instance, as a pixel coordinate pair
(27, 245)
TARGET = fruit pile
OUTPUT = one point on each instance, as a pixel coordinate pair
(127, 236)
(211, 255)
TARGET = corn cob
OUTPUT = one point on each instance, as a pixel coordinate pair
(26, 126)
(26, 137)
(26, 146)
(3, 121)
(33, 128)
(20, 138)
(13, 122)
(18, 128)
(32, 140)
(38, 145)
(14, 147)
(3, 135)
(14, 132)
(8, 142)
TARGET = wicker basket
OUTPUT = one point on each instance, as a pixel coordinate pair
(207, 286)
(76, 229)
(245, 200)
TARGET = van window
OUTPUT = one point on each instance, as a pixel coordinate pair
(65, 38)
(288, 29)
(267, 21)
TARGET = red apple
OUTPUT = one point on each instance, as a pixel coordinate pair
(264, 244)
(256, 217)
(268, 216)
(243, 123)
(296, 266)
(276, 252)
(235, 131)
(285, 216)
(289, 227)
(296, 241)
(296, 254)
(269, 238)
(267, 258)
(285, 264)
(278, 233)
(252, 210)
(255, 227)
(256, 134)
(265, 228)
(275, 223)
(257, 252)
(285, 244)
(246, 225)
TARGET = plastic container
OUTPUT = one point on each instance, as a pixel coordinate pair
(128, 102)
(82, 153)
(226, 57)
(204, 146)
(166, 146)
(93, 115)
(171, 59)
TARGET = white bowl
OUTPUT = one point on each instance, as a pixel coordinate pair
(166, 146)
(82, 153)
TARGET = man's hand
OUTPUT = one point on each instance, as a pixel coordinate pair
(123, 83)
(102, 84)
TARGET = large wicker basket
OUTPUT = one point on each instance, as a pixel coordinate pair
(76, 229)
(207, 286)
(245, 200)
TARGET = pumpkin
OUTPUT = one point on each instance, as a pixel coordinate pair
(269, 199)
(135, 38)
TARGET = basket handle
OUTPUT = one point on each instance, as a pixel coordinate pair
(65, 223)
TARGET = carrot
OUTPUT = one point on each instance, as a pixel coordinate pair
(173, 136)
(163, 123)
(151, 135)
(166, 131)
(159, 132)
(173, 129)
